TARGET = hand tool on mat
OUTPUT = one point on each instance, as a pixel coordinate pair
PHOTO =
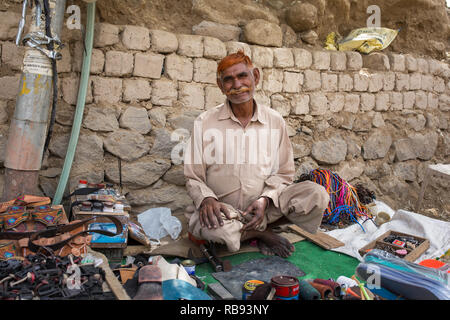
(210, 255)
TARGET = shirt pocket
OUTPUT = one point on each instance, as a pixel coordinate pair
(222, 180)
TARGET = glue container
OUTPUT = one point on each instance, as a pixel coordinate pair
(189, 266)
(249, 287)
(82, 184)
(287, 288)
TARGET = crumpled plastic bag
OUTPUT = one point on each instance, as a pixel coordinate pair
(158, 223)
(364, 40)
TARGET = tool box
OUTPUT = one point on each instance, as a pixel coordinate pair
(394, 241)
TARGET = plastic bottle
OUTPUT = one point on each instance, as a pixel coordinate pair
(346, 283)
(82, 184)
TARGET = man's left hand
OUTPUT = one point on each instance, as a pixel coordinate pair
(256, 209)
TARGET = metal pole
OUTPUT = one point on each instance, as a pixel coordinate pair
(28, 127)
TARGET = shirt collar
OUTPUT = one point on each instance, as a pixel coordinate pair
(227, 113)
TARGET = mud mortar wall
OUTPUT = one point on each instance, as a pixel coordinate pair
(378, 119)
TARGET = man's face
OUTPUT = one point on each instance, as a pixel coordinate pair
(238, 83)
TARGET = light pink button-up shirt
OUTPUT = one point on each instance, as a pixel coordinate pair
(237, 165)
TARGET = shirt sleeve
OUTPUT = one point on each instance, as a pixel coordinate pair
(195, 168)
(283, 171)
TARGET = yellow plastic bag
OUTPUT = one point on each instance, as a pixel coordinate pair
(363, 40)
(330, 42)
(366, 40)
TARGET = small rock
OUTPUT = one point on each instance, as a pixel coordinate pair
(162, 147)
(263, 33)
(289, 36)
(135, 118)
(171, 196)
(302, 16)
(140, 173)
(307, 130)
(405, 170)
(351, 170)
(158, 115)
(377, 145)
(305, 167)
(331, 151)
(378, 120)
(224, 32)
(101, 119)
(126, 144)
(310, 37)
(175, 175)
(417, 123)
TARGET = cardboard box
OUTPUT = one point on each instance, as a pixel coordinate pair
(412, 255)
(108, 242)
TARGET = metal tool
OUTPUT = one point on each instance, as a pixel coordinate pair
(21, 22)
(210, 255)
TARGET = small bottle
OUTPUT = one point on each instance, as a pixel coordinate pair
(82, 184)
(108, 206)
(346, 283)
(97, 206)
(86, 206)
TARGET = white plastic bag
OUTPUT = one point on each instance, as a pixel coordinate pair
(159, 222)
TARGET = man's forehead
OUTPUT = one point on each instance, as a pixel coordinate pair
(236, 69)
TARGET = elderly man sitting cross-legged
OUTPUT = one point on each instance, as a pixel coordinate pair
(239, 168)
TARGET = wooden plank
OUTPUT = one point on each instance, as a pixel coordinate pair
(323, 240)
(113, 283)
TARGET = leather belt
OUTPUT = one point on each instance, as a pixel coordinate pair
(53, 231)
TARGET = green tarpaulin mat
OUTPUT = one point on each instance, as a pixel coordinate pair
(312, 259)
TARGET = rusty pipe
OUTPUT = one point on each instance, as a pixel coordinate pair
(26, 137)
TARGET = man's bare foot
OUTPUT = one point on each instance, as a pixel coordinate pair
(272, 244)
(264, 249)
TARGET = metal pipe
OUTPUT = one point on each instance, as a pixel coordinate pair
(81, 99)
(26, 138)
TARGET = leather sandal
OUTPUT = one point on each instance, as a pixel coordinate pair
(150, 283)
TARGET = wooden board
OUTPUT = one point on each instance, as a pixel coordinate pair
(323, 240)
(113, 283)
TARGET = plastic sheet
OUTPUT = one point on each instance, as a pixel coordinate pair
(404, 278)
(159, 222)
(364, 40)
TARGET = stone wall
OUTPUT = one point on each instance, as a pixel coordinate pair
(378, 119)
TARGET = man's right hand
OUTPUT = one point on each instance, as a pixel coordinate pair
(209, 213)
